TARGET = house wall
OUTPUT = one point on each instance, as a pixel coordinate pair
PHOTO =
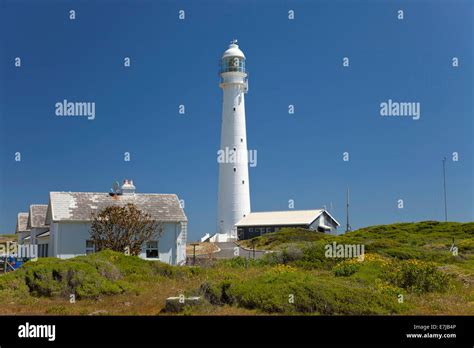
(34, 240)
(68, 239)
(324, 219)
(182, 239)
(36, 231)
(22, 235)
(248, 232)
(166, 244)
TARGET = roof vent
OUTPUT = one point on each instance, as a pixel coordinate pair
(127, 187)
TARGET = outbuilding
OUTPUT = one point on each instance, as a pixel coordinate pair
(258, 223)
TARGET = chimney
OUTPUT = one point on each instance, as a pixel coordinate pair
(127, 187)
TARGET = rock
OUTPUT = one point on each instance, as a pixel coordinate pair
(177, 304)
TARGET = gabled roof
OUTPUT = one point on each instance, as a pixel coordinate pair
(282, 218)
(79, 206)
(37, 216)
(22, 222)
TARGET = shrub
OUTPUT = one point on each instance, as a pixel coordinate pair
(417, 276)
(242, 262)
(62, 279)
(273, 291)
(90, 276)
(346, 268)
(290, 254)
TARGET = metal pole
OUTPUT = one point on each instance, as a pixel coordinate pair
(445, 200)
(348, 226)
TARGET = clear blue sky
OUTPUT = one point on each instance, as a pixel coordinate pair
(295, 62)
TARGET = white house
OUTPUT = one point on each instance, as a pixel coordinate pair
(258, 223)
(39, 231)
(65, 229)
(21, 228)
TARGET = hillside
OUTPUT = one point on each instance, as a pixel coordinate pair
(407, 269)
(428, 240)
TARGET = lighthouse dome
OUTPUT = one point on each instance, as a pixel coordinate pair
(233, 59)
(233, 51)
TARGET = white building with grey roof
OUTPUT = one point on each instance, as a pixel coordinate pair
(39, 230)
(21, 228)
(258, 223)
(65, 223)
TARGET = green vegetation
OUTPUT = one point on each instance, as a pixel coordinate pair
(407, 268)
(284, 289)
(104, 273)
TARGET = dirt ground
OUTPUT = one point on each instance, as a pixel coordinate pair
(201, 249)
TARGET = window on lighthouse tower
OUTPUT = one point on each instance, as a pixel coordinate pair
(233, 64)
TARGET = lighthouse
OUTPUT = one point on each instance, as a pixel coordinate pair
(234, 192)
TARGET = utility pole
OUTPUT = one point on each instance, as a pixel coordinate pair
(444, 182)
(194, 252)
(348, 226)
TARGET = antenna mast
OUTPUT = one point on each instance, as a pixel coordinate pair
(348, 226)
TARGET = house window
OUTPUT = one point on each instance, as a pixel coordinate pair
(243, 181)
(234, 109)
(241, 140)
(251, 229)
(269, 229)
(152, 249)
(90, 247)
(235, 169)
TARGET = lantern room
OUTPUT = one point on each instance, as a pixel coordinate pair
(233, 59)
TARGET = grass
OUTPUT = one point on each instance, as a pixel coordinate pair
(407, 269)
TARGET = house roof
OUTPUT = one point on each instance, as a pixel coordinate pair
(44, 234)
(79, 206)
(37, 216)
(22, 222)
(281, 218)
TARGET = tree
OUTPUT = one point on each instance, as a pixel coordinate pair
(122, 228)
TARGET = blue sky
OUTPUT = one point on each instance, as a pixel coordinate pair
(296, 62)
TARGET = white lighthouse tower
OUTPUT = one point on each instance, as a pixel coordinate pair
(234, 193)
